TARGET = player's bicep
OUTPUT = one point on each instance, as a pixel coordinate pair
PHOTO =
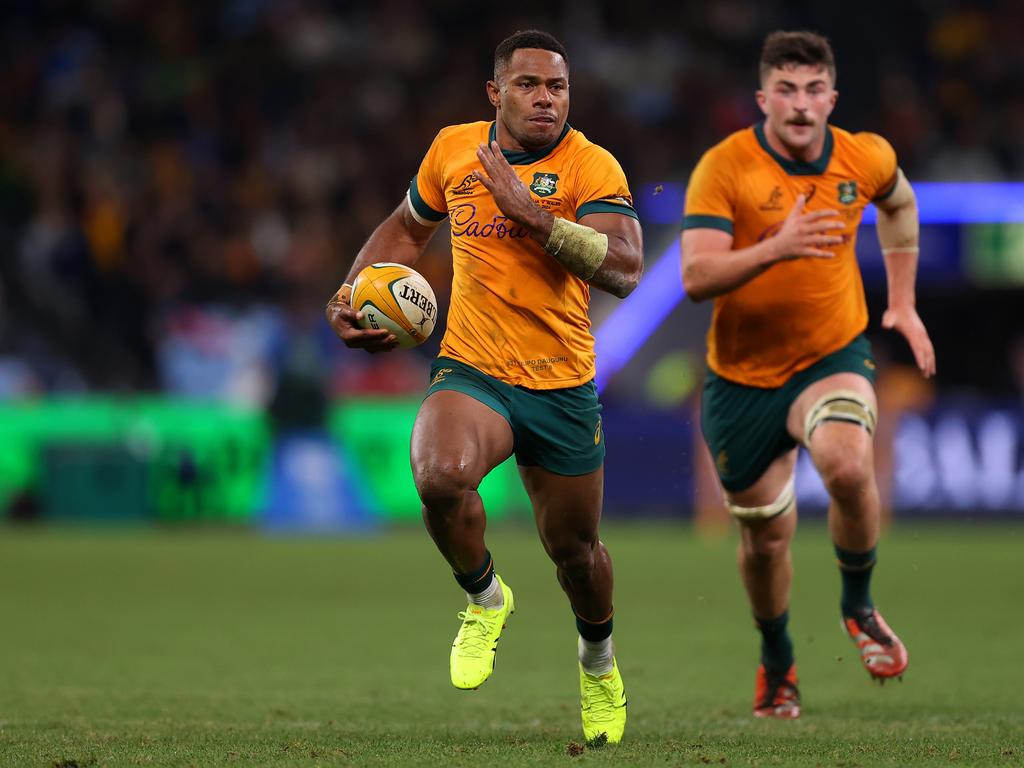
(697, 245)
(700, 241)
(416, 228)
(902, 195)
(618, 227)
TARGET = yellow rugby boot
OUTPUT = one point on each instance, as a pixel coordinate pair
(472, 659)
(603, 705)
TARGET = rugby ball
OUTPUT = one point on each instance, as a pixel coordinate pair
(397, 298)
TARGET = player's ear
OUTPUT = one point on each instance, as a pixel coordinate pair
(493, 93)
(761, 101)
(832, 102)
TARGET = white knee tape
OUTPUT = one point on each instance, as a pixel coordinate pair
(840, 405)
(785, 502)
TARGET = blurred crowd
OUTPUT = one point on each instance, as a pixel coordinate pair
(157, 158)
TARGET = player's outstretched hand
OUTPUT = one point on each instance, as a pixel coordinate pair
(908, 322)
(807, 235)
(345, 322)
(511, 195)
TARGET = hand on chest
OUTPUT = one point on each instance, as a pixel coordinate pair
(765, 202)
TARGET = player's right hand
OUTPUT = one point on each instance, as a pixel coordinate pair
(345, 322)
(807, 235)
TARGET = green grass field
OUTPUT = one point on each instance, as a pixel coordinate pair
(220, 648)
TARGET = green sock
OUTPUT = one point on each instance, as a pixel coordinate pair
(855, 568)
(776, 645)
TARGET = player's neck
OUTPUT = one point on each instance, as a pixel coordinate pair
(505, 139)
(808, 154)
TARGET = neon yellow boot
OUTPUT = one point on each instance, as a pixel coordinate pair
(472, 659)
(603, 705)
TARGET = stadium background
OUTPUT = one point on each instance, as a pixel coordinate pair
(182, 186)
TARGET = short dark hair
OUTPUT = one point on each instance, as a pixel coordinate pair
(526, 38)
(782, 49)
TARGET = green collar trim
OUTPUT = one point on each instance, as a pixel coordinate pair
(525, 158)
(798, 167)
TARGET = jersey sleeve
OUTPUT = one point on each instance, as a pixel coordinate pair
(426, 190)
(880, 165)
(710, 202)
(600, 185)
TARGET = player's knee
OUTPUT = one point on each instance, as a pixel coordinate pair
(442, 484)
(766, 548)
(574, 558)
(846, 474)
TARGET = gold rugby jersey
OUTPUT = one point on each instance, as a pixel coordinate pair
(516, 313)
(797, 311)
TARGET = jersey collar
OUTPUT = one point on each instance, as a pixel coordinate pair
(798, 167)
(515, 157)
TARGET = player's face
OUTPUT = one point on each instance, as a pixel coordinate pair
(797, 101)
(532, 99)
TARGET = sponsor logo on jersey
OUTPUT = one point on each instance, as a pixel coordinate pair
(544, 184)
(464, 223)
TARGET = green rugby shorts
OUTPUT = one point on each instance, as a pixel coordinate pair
(557, 429)
(745, 427)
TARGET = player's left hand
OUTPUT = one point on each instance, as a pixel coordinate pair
(511, 195)
(908, 322)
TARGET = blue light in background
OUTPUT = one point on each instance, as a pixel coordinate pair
(626, 329)
(937, 203)
(636, 318)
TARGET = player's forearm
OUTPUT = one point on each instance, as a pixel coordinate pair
(712, 273)
(537, 222)
(898, 236)
(901, 274)
(399, 239)
(389, 242)
(621, 269)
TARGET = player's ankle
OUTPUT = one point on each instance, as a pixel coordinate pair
(491, 597)
(596, 657)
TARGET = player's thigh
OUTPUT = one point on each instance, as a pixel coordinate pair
(769, 486)
(462, 430)
(840, 409)
(567, 508)
(766, 510)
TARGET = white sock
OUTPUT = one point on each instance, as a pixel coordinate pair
(490, 598)
(596, 656)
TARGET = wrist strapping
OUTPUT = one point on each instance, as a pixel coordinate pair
(579, 248)
(903, 249)
(341, 296)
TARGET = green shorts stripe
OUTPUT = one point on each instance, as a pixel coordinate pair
(745, 427)
(557, 429)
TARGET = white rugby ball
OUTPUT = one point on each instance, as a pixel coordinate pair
(397, 298)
